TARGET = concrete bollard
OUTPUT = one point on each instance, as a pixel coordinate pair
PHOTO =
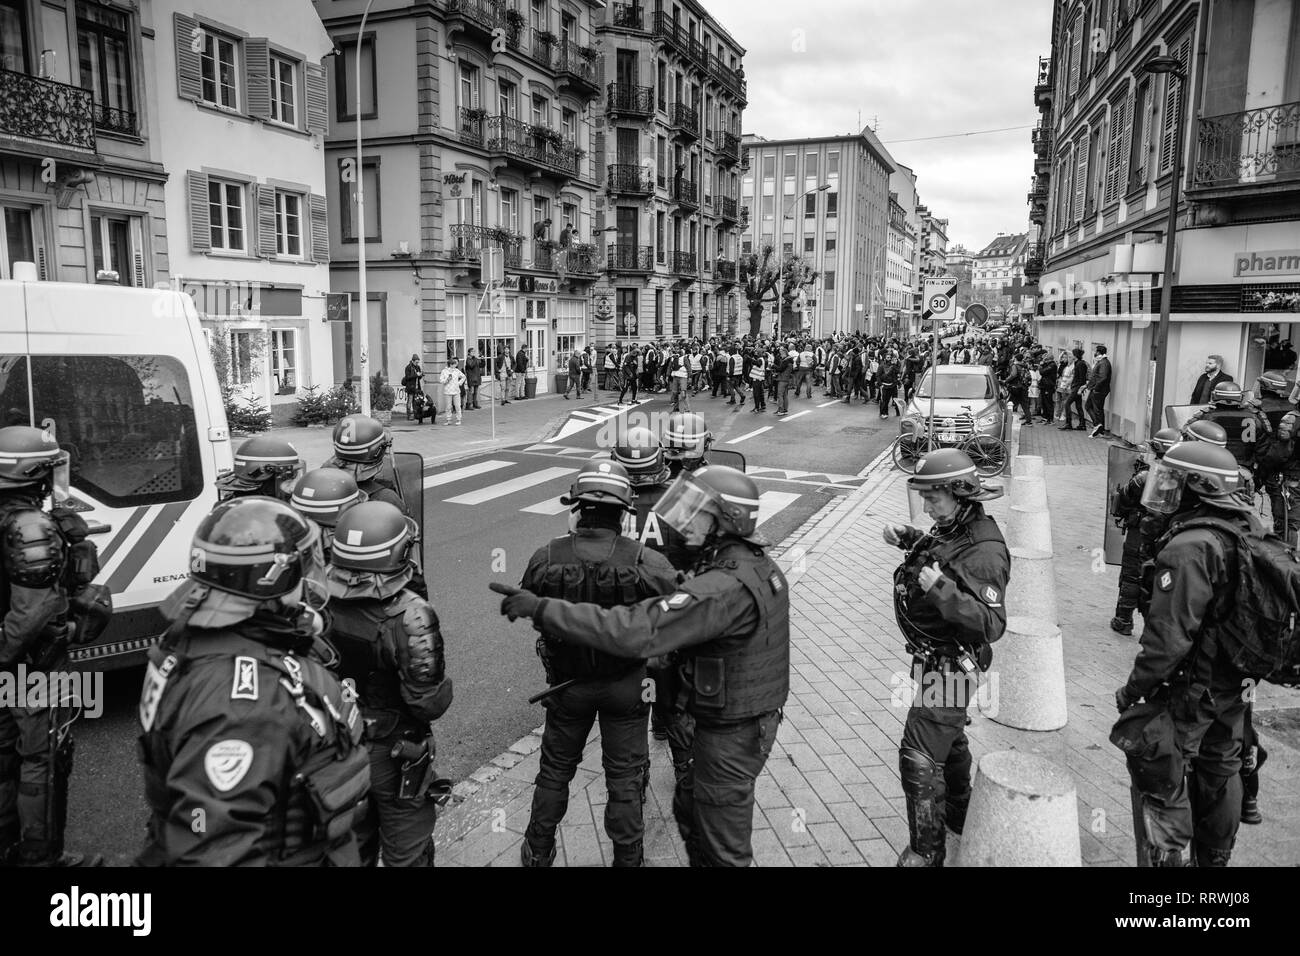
(1029, 663)
(1032, 592)
(1029, 493)
(1029, 528)
(1027, 466)
(1024, 811)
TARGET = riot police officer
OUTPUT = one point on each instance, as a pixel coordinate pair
(1279, 469)
(391, 649)
(596, 564)
(252, 751)
(1248, 431)
(38, 554)
(1130, 515)
(732, 621)
(262, 465)
(1181, 668)
(949, 596)
(322, 495)
(686, 442)
(1200, 429)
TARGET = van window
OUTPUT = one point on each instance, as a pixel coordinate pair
(957, 385)
(127, 421)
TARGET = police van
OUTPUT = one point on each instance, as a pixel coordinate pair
(124, 379)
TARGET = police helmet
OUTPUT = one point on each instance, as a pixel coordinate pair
(259, 460)
(374, 537)
(360, 439)
(729, 495)
(639, 452)
(28, 457)
(686, 437)
(1207, 431)
(323, 494)
(254, 547)
(1274, 383)
(1163, 440)
(947, 468)
(1228, 394)
(1207, 470)
(601, 483)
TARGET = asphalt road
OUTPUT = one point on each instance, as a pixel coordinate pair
(485, 515)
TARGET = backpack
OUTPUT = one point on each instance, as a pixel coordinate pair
(1259, 634)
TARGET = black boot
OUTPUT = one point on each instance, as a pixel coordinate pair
(955, 807)
(1170, 858)
(1251, 763)
(923, 786)
(1206, 856)
(629, 854)
(1122, 622)
(530, 857)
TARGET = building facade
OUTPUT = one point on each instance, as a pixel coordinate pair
(81, 170)
(900, 282)
(242, 105)
(667, 150)
(830, 199)
(903, 182)
(476, 134)
(933, 253)
(1108, 139)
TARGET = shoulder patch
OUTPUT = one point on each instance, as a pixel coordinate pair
(990, 595)
(1166, 581)
(244, 684)
(675, 601)
(155, 682)
(776, 583)
(227, 762)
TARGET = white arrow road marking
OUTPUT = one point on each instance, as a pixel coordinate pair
(772, 503)
(469, 471)
(501, 489)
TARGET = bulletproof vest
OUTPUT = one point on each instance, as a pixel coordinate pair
(311, 822)
(365, 634)
(732, 678)
(1233, 421)
(609, 577)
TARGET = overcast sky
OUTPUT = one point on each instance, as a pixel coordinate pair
(919, 68)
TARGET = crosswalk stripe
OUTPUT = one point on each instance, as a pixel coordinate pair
(790, 418)
(503, 488)
(447, 477)
(833, 401)
(756, 431)
(772, 503)
(585, 416)
(551, 506)
(543, 447)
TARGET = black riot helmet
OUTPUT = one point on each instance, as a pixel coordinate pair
(262, 463)
(255, 547)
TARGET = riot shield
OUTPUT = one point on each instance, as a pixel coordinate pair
(408, 467)
(1176, 416)
(732, 459)
(1119, 469)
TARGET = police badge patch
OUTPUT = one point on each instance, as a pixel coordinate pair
(991, 595)
(1166, 581)
(674, 602)
(227, 762)
(244, 685)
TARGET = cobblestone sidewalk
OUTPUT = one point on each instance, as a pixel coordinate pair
(830, 794)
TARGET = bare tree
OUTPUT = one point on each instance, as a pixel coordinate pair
(761, 276)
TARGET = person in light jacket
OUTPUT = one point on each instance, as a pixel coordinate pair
(452, 380)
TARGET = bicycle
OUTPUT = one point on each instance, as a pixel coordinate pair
(986, 452)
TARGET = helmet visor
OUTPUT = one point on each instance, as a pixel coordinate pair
(315, 580)
(682, 503)
(1164, 488)
(62, 479)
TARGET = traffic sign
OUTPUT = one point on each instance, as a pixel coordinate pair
(940, 301)
(976, 315)
(338, 307)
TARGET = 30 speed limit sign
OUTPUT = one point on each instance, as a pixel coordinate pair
(940, 301)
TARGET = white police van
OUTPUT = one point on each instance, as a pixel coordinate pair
(125, 379)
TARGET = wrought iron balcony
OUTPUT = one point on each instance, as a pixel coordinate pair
(726, 208)
(677, 37)
(686, 121)
(1042, 140)
(629, 180)
(471, 125)
(44, 111)
(512, 248)
(629, 16)
(684, 192)
(468, 241)
(728, 149)
(476, 18)
(630, 100)
(540, 47)
(530, 146)
(724, 272)
(581, 260)
(1251, 148)
(110, 119)
(725, 75)
(544, 255)
(685, 263)
(577, 68)
(1043, 86)
(629, 258)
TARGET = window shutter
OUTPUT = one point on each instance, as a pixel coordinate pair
(1076, 53)
(320, 237)
(266, 222)
(598, 157)
(137, 251)
(317, 99)
(1173, 106)
(200, 224)
(41, 267)
(1121, 125)
(600, 72)
(187, 61)
(257, 72)
(1080, 178)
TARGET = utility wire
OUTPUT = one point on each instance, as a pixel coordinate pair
(977, 132)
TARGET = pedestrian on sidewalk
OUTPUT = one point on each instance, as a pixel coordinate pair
(453, 380)
(1074, 380)
(574, 382)
(950, 604)
(595, 563)
(505, 375)
(413, 383)
(473, 379)
(1098, 388)
(588, 363)
(522, 364)
(732, 621)
(1047, 385)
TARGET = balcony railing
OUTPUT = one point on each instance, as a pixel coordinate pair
(487, 15)
(725, 75)
(46, 111)
(543, 256)
(685, 192)
(1249, 148)
(631, 100)
(726, 208)
(629, 258)
(629, 16)
(676, 36)
(724, 272)
(111, 119)
(540, 46)
(471, 125)
(685, 263)
(686, 120)
(577, 64)
(530, 144)
(512, 249)
(1042, 139)
(1043, 85)
(629, 180)
(729, 148)
(581, 260)
(468, 241)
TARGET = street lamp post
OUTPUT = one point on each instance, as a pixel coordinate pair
(1171, 66)
(776, 329)
(361, 323)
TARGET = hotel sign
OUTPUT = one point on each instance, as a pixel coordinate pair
(1275, 262)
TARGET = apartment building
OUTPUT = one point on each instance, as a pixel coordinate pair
(242, 105)
(899, 278)
(903, 182)
(933, 252)
(829, 199)
(1106, 147)
(476, 126)
(667, 146)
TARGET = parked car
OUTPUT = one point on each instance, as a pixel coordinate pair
(968, 401)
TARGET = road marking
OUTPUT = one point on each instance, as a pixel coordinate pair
(501, 489)
(469, 471)
(772, 503)
(586, 416)
(551, 506)
(790, 418)
(756, 431)
(833, 401)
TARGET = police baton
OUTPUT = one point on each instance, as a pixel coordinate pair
(563, 685)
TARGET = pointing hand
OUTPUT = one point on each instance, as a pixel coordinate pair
(518, 602)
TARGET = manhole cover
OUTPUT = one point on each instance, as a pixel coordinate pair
(1283, 724)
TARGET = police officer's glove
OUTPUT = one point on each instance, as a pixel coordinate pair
(518, 602)
(1123, 701)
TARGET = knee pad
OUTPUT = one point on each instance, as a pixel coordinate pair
(920, 773)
